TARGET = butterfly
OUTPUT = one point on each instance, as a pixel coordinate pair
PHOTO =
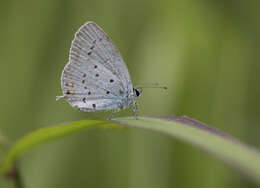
(96, 77)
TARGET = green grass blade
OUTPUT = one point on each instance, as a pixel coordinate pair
(43, 135)
(237, 154)
(222, 146)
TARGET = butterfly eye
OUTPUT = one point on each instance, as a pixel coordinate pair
(136, 92)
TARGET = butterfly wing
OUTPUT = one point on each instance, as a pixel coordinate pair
(96, 77)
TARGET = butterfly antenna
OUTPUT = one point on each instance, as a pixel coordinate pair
(155, 85)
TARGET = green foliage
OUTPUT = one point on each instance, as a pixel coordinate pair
(222, 146)
(43, 135)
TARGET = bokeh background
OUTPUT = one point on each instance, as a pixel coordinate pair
(205, 51)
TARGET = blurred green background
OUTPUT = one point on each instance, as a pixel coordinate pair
(205, 51)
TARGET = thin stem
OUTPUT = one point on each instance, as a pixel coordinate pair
(17, 180)
(14, 175)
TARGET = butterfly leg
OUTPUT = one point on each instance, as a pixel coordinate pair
(135, 110)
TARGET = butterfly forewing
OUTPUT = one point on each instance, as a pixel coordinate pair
(96, 78)
(105, 51)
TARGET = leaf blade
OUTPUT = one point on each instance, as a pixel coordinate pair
(237, 154)
(43, 135)
(221, 145)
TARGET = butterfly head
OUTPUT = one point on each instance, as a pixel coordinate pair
(137, 92)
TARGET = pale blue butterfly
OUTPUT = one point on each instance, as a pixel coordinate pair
(96, 77)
